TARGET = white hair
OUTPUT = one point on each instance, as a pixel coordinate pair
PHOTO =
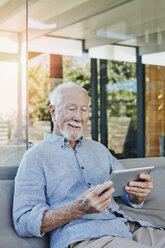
(56, 95)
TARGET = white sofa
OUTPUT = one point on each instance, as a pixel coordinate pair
(153, 209)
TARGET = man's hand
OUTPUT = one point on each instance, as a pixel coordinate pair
(139, 190)
(94, 200)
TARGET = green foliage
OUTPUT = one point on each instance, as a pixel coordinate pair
(123, 103)
(77, 71)
(120, 71)
(38, 93)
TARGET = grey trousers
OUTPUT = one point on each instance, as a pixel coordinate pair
(143, 237)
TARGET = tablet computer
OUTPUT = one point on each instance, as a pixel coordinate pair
(121, 178)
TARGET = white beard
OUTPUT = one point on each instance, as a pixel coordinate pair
(72, 135)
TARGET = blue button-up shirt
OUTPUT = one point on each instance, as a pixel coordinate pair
(52, 175)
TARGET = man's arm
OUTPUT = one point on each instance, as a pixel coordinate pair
(94, 200)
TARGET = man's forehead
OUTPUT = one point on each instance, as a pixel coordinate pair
(74, 96)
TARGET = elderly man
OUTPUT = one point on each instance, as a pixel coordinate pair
(60, 186)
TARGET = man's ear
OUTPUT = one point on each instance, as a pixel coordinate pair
(52, 111)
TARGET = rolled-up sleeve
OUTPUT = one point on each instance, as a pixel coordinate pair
(29, 204)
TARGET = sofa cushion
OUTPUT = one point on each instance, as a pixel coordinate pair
(8, 236)
(154, 206)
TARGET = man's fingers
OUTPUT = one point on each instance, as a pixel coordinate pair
(137, 190)
(100, 188)
(106, 196)
(101, 193)
(102, 206)
(147, 182)
(103, 201)
(142, 185)
(145, 177)
(139, 195)
(96, 199)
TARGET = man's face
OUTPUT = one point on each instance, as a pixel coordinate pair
(71, 115)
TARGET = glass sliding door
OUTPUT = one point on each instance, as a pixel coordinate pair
(12, 81)
(52, 60)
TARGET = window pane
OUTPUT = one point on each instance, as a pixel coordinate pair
(69, 28)
(77, 69)
(46, 71)
(122, 108)
(155, 110)
(39, 88)
(12, 83)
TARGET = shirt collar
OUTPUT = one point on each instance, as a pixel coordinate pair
(59, 140)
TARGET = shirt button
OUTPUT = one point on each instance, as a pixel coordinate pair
(62, 146)
(89, 184)
(82, 168)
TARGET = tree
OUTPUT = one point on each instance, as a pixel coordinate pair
(38, 93)
(78, 71)
(120, 71)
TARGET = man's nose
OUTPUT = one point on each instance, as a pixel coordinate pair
(77, 115)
